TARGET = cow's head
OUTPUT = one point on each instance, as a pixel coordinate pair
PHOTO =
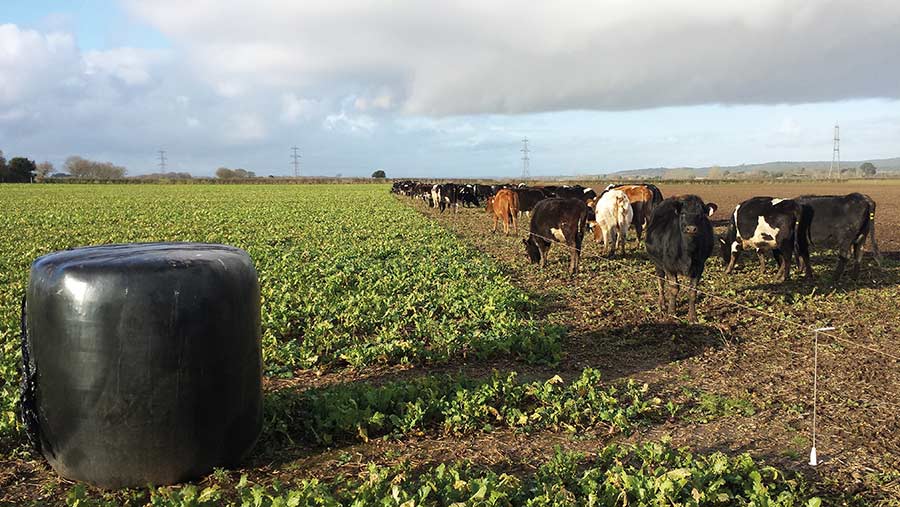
(724, 248)
(727, 244)
(489, 207)
(532, 250)
(693, 215)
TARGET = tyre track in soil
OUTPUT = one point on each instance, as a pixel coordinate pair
(613, 326)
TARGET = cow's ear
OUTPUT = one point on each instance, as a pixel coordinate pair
(711, 208)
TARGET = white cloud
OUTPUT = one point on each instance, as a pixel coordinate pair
(294, 108)
(33, 63)
(132, 66)
(370, 82)
(382, 101)
(498, 57)
(244, 127)
(355, 124)
(229, 89)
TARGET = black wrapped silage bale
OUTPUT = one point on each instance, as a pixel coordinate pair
(142, 362)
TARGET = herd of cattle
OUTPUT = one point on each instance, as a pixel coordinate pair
(677, 232)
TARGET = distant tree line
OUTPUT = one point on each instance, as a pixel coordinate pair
(865, 170)
(16, 170)
(165, 176)
(234, 174)
(82, 168)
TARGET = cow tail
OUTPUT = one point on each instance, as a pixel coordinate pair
(872, 241)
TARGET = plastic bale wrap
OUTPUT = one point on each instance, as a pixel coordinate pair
(142, 363)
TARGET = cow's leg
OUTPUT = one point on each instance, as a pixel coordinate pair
(496, 221)
(638, 229)
(843, 256)
(776, 254)
(762, 260)
(672, 292)
(734, 255)
(692, 300)
(543, 249)
(613, 241)
(574, 257)
(857, 257)
(803, 263)
(623, 231)
(785, 254)
(788, 260)
(514, 223)
(661, 285)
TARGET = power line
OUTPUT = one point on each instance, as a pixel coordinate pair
(296, 161)
(525, 160)
(162, 161)
(836, 151)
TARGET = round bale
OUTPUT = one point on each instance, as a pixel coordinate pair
(142, 362)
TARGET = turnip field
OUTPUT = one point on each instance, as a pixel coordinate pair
(413, 358)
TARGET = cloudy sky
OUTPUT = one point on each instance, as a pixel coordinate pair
(422, 88)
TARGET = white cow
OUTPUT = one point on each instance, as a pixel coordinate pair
(614, 215)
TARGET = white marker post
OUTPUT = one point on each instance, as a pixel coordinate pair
(813, 459)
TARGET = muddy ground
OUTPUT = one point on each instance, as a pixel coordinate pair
(760, 361)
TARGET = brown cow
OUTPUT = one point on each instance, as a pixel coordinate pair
(504, 205)
(641, 198)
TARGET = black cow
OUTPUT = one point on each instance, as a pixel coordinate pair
(561, 220)
(529, 197)
(842, 223)
(679, 240)
(482, 192)
(572, 192)
(468, 195)
(766, 223)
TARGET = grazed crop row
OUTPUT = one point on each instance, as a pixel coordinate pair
(456, 405)
(650, 474)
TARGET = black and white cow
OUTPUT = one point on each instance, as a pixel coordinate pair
(842, 223)
(445, 196)
(423, 191)
(560, 220)
(679, 240)
(762, 224)
(403, 187)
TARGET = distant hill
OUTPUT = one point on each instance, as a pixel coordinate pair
(882, 164)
